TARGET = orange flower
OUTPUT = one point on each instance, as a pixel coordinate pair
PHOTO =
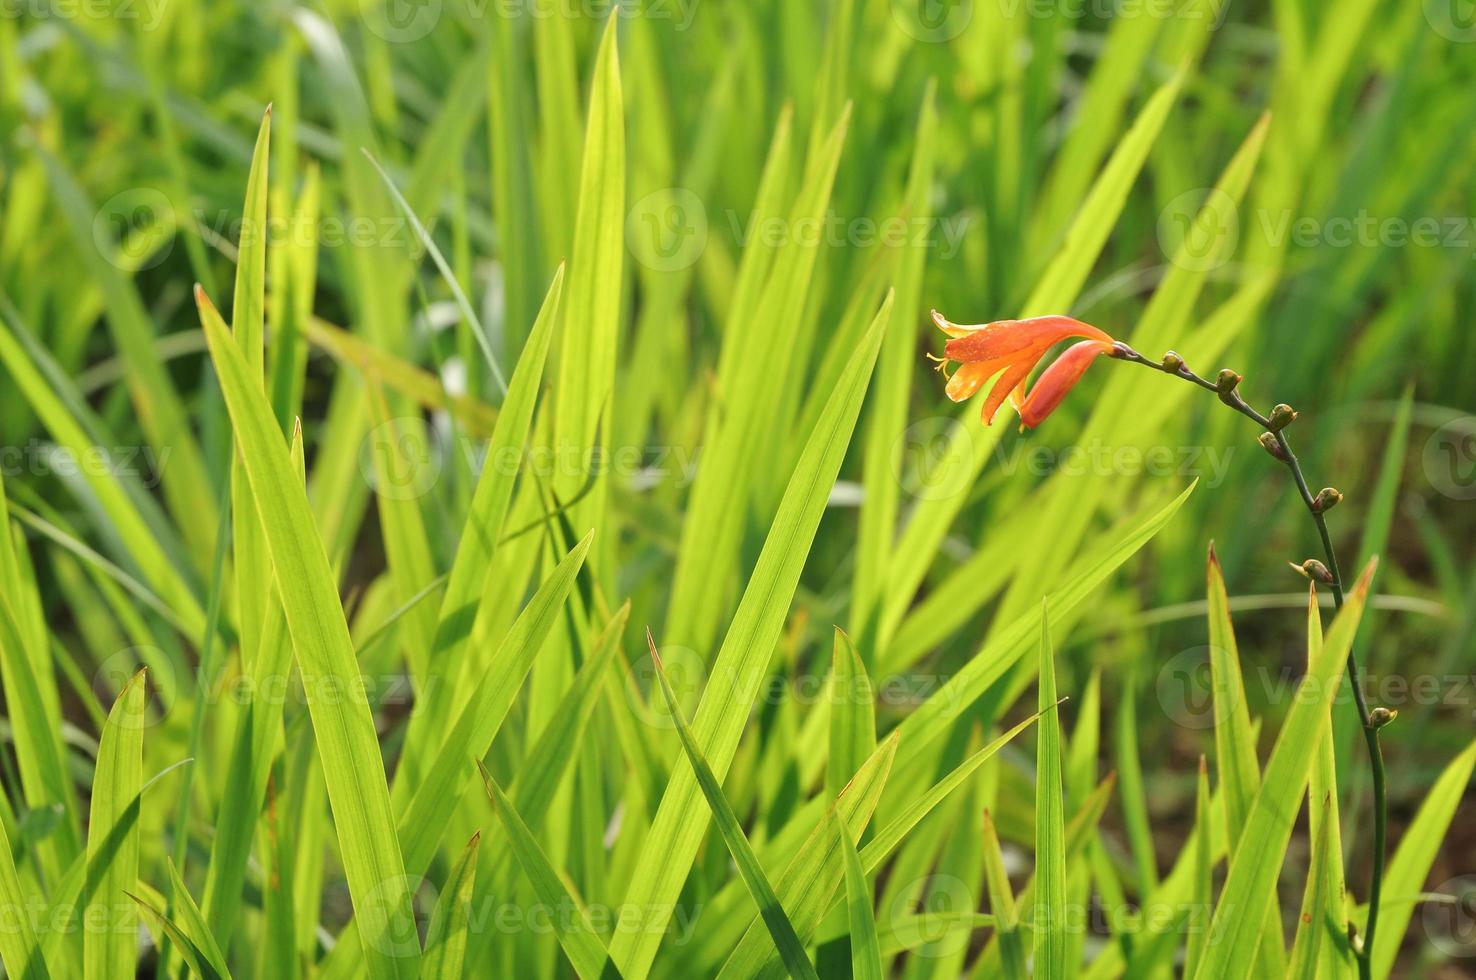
(1011, 349)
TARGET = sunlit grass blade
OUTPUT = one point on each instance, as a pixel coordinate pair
(938, 713)
(1002, 901)
(852, 714)
(866, 961)
(137, 535)
(576, 935)
(1411, 862)
(480, 533)
(344, 727)
(1204, 864)
(1249, 889)
(892, 834)
(790, 948)
(164, 927)
(108, 952)
(1310, 945)
(679, 826)
(20, 950)
(1050, 824)
(587, 353)
(809, 883)
(445, 941)
(423, 819)
(1235, 747)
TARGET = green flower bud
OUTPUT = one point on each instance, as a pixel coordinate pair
(1282, 416)
(1379, 717)
(1314, 570)
(1173, 363)
(1269, 443)
(1327, 498)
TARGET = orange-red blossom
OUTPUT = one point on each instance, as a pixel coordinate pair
(1010, 349)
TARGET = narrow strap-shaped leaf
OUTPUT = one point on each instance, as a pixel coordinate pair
(192, 922)
(194, 957)
(109, 951)
(344, 728)
(808, 885)
(445, 940)
(576, 935)
(866, 961)
(1309, 947)
(677, 830)
(1002, 900)
(852, 714)
(1050, 824)
(890, 835)
(435, 800)
(1415, 855)
(434, 712)
(1250, 886)
(20, 950)
(791, 950)
(1204, 864)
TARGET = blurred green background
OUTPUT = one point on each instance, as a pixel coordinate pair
(980, 142)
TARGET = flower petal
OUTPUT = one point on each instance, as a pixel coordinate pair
(1006, 337)
(955, 329)
(968, 379)
(1018, 371)
(1055, 381)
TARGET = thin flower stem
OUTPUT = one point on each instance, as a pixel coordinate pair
(1175, 367)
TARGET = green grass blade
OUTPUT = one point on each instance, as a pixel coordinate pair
(892, 834)
(580, 942)
(791, 950)
(445, 941)
(110, 952)
(1235, 746)
(808, 884)
(586, 374)
(1204, 863)
(192, 923)
(1415, 856)
(1002, 900)
(1309, 946)
(852, 715)
(20, 950)
(423, 820)
(344, 727)
(478, 542)
(866, 961)
(1250, 887)
(937, 715)
(678, 828)
(165, 927)
(1050, 824)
